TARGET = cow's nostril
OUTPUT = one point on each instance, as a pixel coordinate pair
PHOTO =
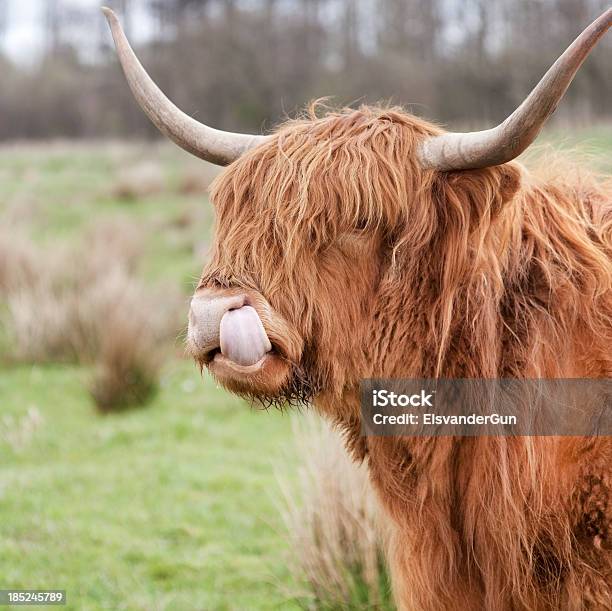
(210, 355)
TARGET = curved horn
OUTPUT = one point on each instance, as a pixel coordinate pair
(455, 151)
(210, 144)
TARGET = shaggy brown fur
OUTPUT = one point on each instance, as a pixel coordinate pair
(384, 269)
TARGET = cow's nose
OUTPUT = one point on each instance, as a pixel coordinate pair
(226, 323)
(205, 314)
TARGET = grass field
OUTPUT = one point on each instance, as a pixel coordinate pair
(172, 506)
(167, 507)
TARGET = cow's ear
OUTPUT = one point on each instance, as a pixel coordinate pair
(479, 192)
(509, 180)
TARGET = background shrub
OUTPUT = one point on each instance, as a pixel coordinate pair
(333, 525)
(85, 304)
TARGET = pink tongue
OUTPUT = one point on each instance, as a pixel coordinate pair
(242, 336)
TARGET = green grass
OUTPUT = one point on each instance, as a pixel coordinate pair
(167, 507)
(171, 506)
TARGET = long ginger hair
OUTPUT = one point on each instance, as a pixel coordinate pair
(385, 269)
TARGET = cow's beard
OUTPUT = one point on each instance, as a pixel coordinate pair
(298, 392)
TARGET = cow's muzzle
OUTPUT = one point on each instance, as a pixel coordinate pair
(245, 344)
(226, 324)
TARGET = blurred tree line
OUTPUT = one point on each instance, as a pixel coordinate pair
(244, 64)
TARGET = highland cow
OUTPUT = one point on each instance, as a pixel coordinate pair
(371, 243)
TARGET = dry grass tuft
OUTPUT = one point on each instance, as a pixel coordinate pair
(56, 299)
(19, 432)
(114, 243)
(333, 525)
(84, 304)
(196, 178)
(127, 366)
(43, 326)
(18, 263)
(140, 180)
(137, 322)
